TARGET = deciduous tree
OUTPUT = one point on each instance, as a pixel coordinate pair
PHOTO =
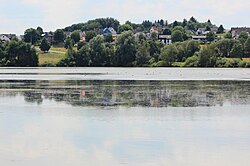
(45, 45)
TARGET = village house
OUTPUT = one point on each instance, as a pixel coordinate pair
(155, 29)
(48, 36)
(203, 31)
(111, 31)
(200, 38)
(237, 30)
(6, 37)
(166, 39)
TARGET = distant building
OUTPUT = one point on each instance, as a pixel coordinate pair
(165, 39)
(67, 34)
(111, 31)
(48, 36)
(237, 30)
(83, 36)
(203, 31)
(154, 29)
(6, 37)
(200, 38)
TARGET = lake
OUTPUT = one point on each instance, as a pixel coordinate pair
(124, 116)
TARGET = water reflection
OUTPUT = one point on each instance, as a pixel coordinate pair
(131, 93)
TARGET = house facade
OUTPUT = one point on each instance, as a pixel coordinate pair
(166, 39)
(200, 38)
(237, 30)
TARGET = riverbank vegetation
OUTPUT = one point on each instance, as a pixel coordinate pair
(18, 54)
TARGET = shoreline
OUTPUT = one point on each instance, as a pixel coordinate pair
(122, 73)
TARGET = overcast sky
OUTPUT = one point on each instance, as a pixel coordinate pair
(18, 15)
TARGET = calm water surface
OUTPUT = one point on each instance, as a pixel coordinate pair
(71, 122)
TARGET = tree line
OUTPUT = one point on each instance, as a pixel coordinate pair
(131, 51)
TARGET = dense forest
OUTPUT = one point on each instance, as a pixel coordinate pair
(132, 47)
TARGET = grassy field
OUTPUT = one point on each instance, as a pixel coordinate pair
(50, 58)
(246, 59)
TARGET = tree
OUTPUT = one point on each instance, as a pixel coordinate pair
(125, 49)
(162, 22)
(177, 36)
(247, 48)
(224, 47)
(142, 37)
(209, 22)
(192, 61)
(210, 36)
(21, 54)
(59, 36)
(169, 54)
(147, 24)
(143, 54)
(109, 38)
(124, 27)
(98, 54)
(192, 19)
(31, 36)
(220, 29)
(175, 23)
(83, 56)
(90, 35)
(68, 43)
(166, 31)
(184, 23)
(45, 46)
(243, 37)
(155, 48)
(75, 36)
(237, 50)
(40, 30)
(208, 28)
(154, 36)
(208, 56)
(182, 51)
(228, 35)
(191, 26)
(180, 28)
(192, 47)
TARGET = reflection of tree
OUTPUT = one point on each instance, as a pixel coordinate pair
(33, 97)
(136, 93)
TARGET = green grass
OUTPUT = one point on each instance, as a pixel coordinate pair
(50, 57)
(62, 49)
(178, 64)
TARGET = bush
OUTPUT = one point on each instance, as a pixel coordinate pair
(192, 61)
(232, 63)
(220, 62)
(242, 63)
(158, 64)
(247, 64)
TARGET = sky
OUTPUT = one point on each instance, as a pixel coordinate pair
(18, 15)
